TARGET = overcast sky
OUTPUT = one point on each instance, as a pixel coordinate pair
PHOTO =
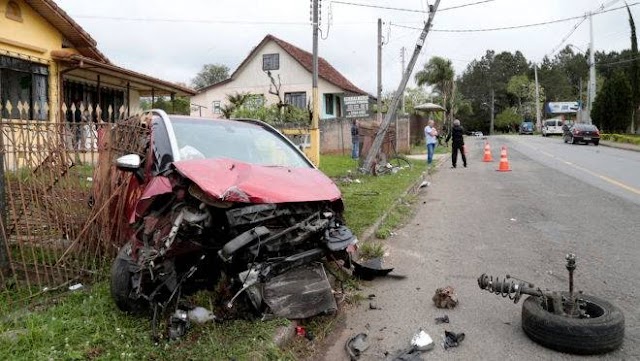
(173, 39)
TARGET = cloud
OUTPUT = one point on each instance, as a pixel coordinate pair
(225, 31)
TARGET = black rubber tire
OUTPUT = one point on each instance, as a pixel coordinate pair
(584, 336)
(596, 142)
(121, 282)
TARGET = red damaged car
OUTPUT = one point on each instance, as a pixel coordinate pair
(230, 201)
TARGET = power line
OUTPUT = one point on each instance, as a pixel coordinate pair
(515, 26)
(567, 36)
(410, 10)
(168, 20)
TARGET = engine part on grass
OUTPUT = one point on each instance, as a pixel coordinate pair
(443, 319)
(445, 297)
(565, 321)
(452, 339)
(356, 345)
(178, 324)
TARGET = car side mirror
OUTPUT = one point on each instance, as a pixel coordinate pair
(129, 163)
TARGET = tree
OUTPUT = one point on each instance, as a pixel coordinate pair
(612, 106)
(413, 97)
(210, 74)
(508, 120)
(438, 72)
(179, 105)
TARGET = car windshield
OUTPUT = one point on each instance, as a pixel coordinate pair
(211, 139)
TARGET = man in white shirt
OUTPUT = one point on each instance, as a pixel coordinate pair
(430, 134)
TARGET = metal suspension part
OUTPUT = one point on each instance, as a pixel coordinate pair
(510, 287)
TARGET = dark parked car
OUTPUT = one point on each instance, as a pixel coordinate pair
(587, 133)
(526, 128)
(231, 204)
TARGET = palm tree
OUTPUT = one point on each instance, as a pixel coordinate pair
(439, 73)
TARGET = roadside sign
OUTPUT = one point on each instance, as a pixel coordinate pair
(356, 106)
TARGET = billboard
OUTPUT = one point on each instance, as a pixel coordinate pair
(562, 107)
(356, 106)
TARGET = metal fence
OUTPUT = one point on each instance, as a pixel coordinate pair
(61, 202)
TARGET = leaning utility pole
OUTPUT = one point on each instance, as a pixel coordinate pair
(592, 70)
(379, 90)
(538, 121)
(402, 50)
(315, 129)
(384, 126)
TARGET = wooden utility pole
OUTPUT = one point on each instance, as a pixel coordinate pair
(384, 126)
(379, 89)
(315, 116)
(402, 50)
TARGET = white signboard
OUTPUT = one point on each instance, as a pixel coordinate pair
(562, 107)
(356, 106)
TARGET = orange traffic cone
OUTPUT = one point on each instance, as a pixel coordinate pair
(504, 162)
(487, 153)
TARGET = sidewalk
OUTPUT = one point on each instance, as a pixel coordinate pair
(626, 146)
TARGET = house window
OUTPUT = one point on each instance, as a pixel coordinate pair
(271, 61)
(297, 99)
(216, 107)
(25, 82)
(13, 11)
(338, 107)
(328, 104)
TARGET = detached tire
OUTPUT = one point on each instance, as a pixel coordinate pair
(601, 333)
(121, 282)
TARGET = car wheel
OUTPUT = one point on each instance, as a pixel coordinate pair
(121, 282)
(596, 142)
(565, 140)
(602, 332)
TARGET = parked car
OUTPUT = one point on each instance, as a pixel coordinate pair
(230, 201)
(526, 128)
(552, 127)
(587, 133)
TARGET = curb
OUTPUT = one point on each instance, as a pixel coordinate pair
(370, 232)
(624, 146)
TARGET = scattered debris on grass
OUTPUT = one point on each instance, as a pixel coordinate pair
(452, 339)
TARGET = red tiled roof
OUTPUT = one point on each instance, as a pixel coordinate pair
(71, 30)
(325, 70)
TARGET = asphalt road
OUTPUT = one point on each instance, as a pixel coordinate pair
(558, 199)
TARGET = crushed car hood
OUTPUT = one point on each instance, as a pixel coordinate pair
(235, 181)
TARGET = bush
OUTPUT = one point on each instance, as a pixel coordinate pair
(621, 138)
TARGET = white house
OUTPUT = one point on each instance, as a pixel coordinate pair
(290, 67)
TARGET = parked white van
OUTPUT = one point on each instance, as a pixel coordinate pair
(552, 126)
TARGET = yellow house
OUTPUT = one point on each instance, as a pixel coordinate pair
(48, 63)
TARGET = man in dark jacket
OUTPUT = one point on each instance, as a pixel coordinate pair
(457, 144)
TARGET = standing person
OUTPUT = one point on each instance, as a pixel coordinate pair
(430, 134)
(355, 140)
(457, 143)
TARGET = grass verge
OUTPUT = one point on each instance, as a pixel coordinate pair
(85, 325)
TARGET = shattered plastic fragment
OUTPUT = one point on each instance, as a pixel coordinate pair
(452, 339)
(443, 319)
(75, 287)
(356, 345)
(422, 341)
(200, 315)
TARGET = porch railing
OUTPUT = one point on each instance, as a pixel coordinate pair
(62, 204)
